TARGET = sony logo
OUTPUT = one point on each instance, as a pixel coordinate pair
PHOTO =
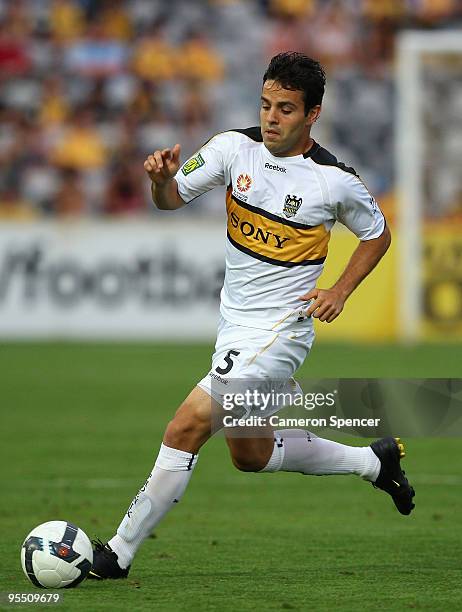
(248, 229)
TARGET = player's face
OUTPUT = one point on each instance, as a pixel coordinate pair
(284, 126)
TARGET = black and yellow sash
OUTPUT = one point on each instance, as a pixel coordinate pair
(271, 238)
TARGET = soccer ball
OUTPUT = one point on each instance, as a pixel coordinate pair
(56, 554)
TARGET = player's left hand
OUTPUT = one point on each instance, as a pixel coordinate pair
(326, 304)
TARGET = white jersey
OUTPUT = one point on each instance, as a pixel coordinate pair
(280, 213)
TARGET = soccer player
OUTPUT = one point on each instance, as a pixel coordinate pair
(284, 194)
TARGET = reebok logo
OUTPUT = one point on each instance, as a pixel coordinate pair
(269, 166)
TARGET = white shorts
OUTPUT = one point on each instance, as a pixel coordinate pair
(255, 355)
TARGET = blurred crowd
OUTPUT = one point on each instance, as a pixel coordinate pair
(89, 87)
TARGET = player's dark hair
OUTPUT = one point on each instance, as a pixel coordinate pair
(297, 71)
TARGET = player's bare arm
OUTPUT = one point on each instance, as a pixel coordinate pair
(328, 303)
(161, 168)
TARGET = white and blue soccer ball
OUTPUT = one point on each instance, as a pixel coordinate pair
(56, 555)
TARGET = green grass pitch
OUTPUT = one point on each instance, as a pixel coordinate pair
(81, 426)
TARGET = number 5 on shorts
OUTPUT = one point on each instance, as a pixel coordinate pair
(229, 362)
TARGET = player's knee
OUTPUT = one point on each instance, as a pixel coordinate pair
(176, 432)
(190, 427)
(180, 430)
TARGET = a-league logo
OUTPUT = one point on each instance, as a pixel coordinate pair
(193, 164)
(291, 205)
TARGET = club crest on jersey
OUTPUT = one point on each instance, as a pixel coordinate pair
(193, 164)
(244, 182)
(291, 205)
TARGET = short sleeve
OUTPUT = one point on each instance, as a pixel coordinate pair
(204, 170)
(357, 209)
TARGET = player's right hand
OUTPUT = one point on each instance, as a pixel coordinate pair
(162, 166)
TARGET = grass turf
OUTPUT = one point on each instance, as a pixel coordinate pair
(81, 428)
